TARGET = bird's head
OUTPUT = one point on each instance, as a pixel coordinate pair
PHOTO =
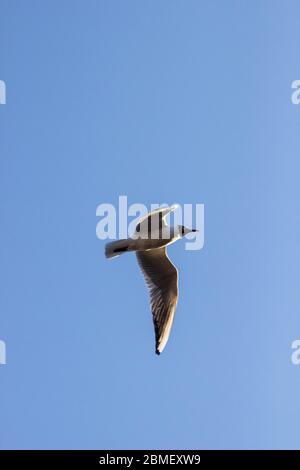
(185, 230)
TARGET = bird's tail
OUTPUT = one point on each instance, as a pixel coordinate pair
(117, 248)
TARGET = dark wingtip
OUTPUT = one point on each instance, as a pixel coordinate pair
(157, 352)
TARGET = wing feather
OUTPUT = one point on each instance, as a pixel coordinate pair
(154, 220)
(162, 279)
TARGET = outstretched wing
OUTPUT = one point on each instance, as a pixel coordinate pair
(154, 220)
(162, 279)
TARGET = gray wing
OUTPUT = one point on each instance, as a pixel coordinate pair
(154, 219)
(162, 279)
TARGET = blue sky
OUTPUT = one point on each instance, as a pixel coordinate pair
(174, 101)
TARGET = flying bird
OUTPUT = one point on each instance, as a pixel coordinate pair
(149, 241)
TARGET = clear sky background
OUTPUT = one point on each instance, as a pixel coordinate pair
(163, 101)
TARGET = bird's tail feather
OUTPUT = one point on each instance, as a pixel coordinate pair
(117, 248)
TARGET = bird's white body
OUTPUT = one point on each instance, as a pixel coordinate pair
(159, 238)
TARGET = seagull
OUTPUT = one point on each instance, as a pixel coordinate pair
(149, 241)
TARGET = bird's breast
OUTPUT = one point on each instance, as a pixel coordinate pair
(156, 239)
